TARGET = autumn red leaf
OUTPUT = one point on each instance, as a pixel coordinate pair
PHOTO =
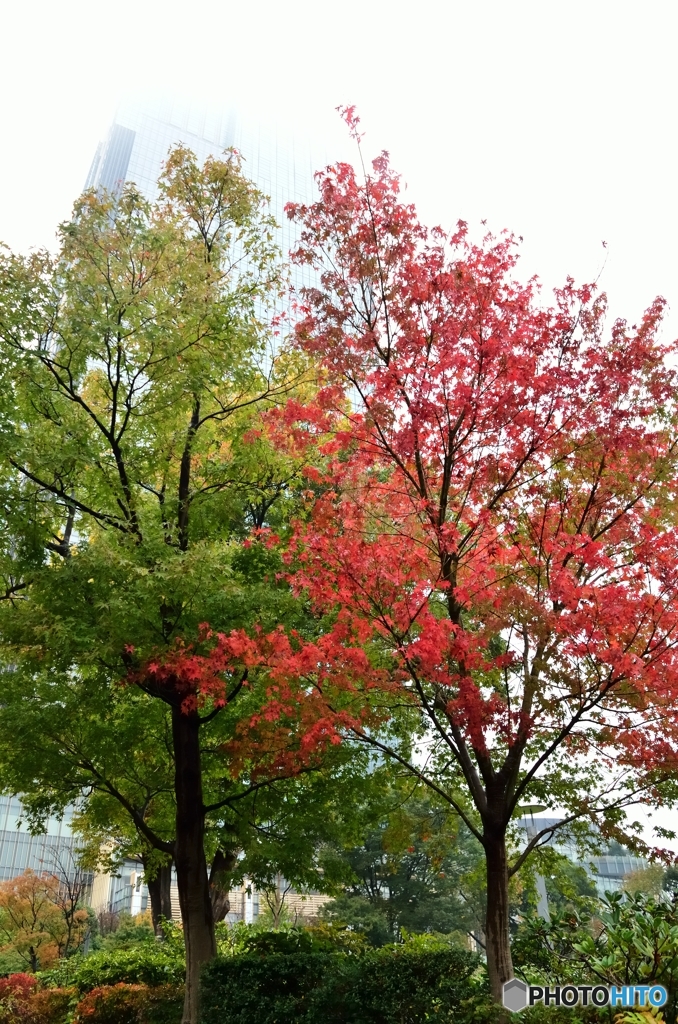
(492, 528)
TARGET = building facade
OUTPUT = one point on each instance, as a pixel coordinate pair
(126, 892)
(606, 869)
(53, 852)
(143, 132)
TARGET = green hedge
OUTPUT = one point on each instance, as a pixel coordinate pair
(143, 965)
(278, 981)
(392, 985)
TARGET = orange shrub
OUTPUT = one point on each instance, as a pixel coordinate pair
(131, 1004)
(18, 985)
(50, 1005)
(22, 1003)
(15, 993)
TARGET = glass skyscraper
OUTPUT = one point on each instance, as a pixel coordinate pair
(137, 143)
(20, 851)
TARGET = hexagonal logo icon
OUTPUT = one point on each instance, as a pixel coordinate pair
(515, 995)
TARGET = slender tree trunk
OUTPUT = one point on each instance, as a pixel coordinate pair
(160, 893)
(192, 880)
(499, 963)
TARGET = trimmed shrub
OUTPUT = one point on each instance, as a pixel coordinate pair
(145, 965)
(295, 975)
(131, 1004)
(315, 939)
(393, 985)
(325, 937)
(21, 1002)
(110, 1004)
(18, 985)
(15, 994)
(52, 1005)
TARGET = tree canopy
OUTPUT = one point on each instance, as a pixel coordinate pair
(440, 528)
(137, 496)
(492, 538)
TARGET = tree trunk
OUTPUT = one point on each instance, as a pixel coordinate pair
(220, 883)
(192, 881)
(160, 893)
(499, 963)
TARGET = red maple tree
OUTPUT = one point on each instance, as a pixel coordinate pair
(491, 539)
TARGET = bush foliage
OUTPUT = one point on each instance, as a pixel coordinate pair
(22, 1003)
(278, 976)
(631, 939)
(237, 939)
(142, 965)
(131, 1004)
(392, 985)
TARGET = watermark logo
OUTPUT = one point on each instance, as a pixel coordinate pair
(518, 995)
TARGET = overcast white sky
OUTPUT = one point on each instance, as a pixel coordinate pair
(555, 119)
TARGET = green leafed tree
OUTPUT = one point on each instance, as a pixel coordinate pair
(417, 870)
(135, 484)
